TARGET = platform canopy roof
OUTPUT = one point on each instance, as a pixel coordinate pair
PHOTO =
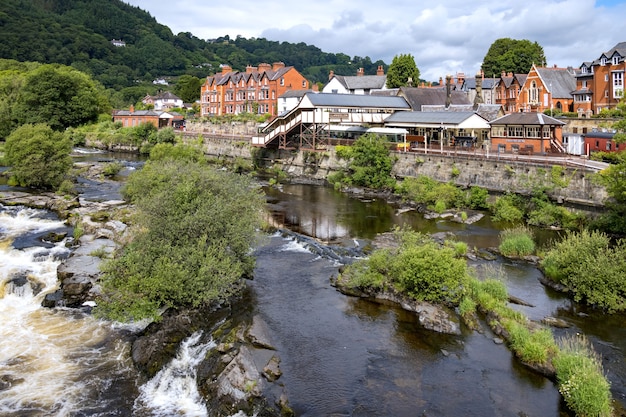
(437, 119)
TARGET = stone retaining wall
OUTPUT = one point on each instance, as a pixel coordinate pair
(472, 170)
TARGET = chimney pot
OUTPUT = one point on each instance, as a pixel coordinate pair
(380, 70)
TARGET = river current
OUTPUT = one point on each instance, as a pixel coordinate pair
(340, 356)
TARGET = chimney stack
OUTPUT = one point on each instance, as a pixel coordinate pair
(226, 69)
(360, 72)
(448, 91)
(380, 70)
(331, 74)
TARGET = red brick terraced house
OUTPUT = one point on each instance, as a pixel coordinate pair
(254, 91)
(600, 83)
(527, 133)
(508, 89)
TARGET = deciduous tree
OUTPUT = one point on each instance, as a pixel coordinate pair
(39, 157)
(402, 71)
(512, 55)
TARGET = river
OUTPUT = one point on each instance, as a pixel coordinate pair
(340, 355)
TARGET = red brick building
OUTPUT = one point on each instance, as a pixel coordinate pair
(160, 119)
(254, 91)
(548, 88)
(600, 83)
(508, 90)
(527, 133)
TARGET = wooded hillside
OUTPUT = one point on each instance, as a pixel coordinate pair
(78, 33)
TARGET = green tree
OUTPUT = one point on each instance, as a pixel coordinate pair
(371, 162)
(512, 55)
(402, 71)
(191, 239)
(39, 157)
(188, 88)
(60, 97)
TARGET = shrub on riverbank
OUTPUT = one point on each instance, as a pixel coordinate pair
(581, 379)
(370, 164)
(418, 267)
(592, 269)
(517, 242)
(191, 239)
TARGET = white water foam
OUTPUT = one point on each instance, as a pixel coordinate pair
(43, 351)
(173, 390)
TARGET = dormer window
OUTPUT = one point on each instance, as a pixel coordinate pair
(615, 60)
(583, 70)
(603, 60)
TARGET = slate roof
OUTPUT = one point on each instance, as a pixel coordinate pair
(417, 97)
(559, 81)
(356, 100)
(365, 82)
(487, 84)
(145, 113)
(487, 111)
(236, 76)
(434, 117)
(295, 93)
(527, 118)
(620, 48)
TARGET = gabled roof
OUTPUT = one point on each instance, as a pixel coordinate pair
(464, 120)
(295, 93)
(487, 83)
(559, 81)
(508, 79)
(418, 96)
(353, 100)
(366, 82)
(527, 119)
(166, 96)
(236, 76)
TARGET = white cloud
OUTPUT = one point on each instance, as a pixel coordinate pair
(449, 37)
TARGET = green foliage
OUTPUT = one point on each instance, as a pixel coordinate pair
(179, 151)
(429, 192)
(370, 162)
(112, 168)
(455, 172)
(533, 347)
(39, 157)
(187, 88)
(547, 214)
(191, 239)
(402, 71)
(581, 378)
(151, 49)
(343, 152)
(60, 97)
(506, 209)
(591, 268)
(517, 242)
(613, 179)
(477, 198)
(418, 267)
(512, 55)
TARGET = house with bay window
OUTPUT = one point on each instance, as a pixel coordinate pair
(254, 91)
(600, 83)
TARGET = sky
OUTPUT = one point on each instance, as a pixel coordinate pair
(444, 37)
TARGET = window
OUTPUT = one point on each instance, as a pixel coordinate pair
(615, 60)
(606, 77)
(583, 69)
(515, 131)
(497, 131)
(585, 84)
(303, 83)
(608, 145)
(546, 132)
(532, 132)
(603, 61)
(282, 81)
(618, 84)
(533, 93)
(515, 148)
(501, 147)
